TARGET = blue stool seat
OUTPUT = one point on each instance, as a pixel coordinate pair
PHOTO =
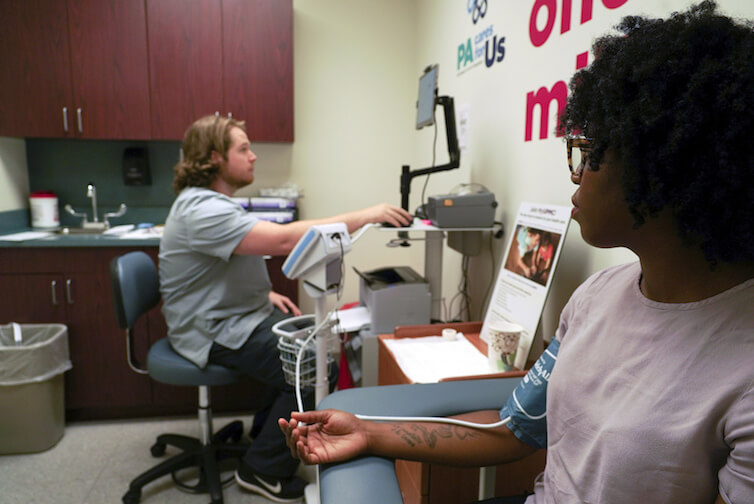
(166, 366)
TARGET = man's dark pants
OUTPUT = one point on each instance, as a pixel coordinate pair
(259, 359)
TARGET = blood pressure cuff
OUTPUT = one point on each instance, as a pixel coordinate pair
(527, 406)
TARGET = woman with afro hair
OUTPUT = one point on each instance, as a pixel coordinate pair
(652, 397)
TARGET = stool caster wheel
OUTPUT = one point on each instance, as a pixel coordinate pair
(236, 431)
(157, 450)
(231, 433)
(132, 497)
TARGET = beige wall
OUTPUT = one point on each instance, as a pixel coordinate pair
(355, 90)
(498, 156)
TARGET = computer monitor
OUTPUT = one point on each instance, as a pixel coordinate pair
(425, 105)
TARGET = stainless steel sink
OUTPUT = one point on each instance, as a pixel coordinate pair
(80, 231)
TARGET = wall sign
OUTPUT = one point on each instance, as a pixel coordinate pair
(483, 45)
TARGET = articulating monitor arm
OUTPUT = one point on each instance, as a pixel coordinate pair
(453, 152)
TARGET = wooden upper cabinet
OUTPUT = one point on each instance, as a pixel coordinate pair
(258, 66)
(230, 57)
(144, 69)
(109, 68)
(185, 63)
(75, 69)
(35, 69)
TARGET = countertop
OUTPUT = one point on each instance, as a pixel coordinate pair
(145, 238)
(18, 221)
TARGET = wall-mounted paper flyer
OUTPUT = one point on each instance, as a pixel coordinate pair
(526, 273)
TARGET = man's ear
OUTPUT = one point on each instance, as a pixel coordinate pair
(216, 158)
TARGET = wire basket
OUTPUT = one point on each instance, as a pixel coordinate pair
(289, 347)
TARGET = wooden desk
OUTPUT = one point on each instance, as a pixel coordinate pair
(423, 483)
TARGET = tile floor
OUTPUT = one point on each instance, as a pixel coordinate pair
(94, 462)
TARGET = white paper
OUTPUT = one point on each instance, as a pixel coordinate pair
(153, 232)
(26, 235)
(431, 358)
(119, 230)
(464, 126)
(525, 277)
(352, 319)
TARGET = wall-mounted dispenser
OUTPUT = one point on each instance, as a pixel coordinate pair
(136, 167)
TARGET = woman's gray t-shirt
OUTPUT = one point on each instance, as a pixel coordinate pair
(650, 402)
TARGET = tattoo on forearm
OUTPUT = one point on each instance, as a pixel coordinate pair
(409, 437)
(415, 434)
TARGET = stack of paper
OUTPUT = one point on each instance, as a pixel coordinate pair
(26, 235)
(431, 358)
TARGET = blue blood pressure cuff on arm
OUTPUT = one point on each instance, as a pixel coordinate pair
(527, 406)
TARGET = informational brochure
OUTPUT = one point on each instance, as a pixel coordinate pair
(528, 266)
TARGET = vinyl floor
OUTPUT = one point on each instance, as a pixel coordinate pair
(94, 462)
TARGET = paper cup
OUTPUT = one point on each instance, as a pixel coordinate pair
(503, 345)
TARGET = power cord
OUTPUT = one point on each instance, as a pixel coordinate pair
(497, 235)
(426, 180)
(463, 293)
(453, 421)
(326, 320)
(300, 354)
(463, 287)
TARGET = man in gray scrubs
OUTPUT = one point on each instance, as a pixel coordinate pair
(218, 301)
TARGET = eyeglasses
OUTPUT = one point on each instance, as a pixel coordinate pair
(579, 150)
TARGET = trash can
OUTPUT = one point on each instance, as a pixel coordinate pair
(33, 358)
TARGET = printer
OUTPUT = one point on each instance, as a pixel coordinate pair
(394, 296)
(470, 205)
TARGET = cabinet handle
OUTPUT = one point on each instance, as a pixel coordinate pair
(68, 291)
(53, 288)
(65, 119)
(78, 116)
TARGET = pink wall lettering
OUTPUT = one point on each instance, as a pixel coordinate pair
(544, 97)
(539, 37)
(558, 92)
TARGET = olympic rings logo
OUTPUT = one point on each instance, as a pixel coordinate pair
(477, 9)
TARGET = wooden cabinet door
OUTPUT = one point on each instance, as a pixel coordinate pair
(100, 377)
(32, 298)
(185, 63)
(281, 283)
(258, 66)
(35, 72)
(109, 69)
(72, 286)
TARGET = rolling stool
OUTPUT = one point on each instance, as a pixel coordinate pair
(135, 286)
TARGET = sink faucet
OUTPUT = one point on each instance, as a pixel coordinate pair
(91, 192)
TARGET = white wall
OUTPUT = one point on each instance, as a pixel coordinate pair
(498, 156)
(14, 178)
